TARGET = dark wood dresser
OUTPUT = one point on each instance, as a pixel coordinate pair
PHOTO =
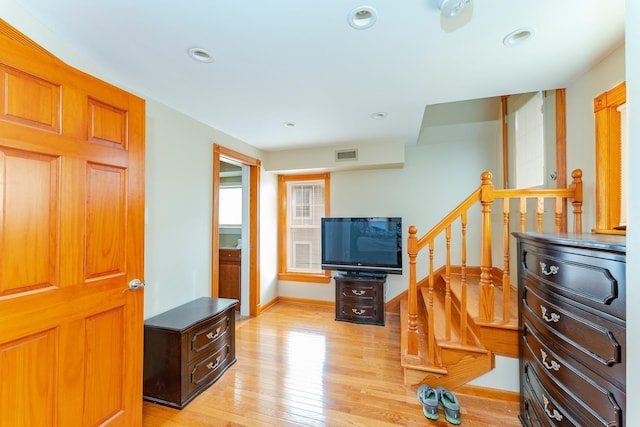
(186, 349)
(360, 299)
(572, 308)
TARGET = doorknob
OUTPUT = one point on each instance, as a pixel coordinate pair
(135, 284)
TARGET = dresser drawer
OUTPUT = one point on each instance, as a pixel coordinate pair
(360, 291)
(595, 282)
(592, 340)
(208, 334)
(597, 399)
(210, 368)
(552, 407)
(360, 312)
(531, 415)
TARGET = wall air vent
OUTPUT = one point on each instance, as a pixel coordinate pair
(346, 155)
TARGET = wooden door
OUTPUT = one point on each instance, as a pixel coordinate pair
(71, 239)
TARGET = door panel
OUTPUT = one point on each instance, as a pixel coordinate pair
(28, 214)
(106, 221)
(71, 239)
(30, 100)
(104, 366)
(28, 365)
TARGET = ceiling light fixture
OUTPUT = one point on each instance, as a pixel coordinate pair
(518, 36)
(451, 8)
(201, 55)
(378, 116)
(362, 17)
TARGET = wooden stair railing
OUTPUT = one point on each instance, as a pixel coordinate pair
(486, 194)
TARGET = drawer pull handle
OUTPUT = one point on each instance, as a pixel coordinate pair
(213, 336)
(357, 292)
(555, 414)
(550, 366)
(553, 269)
(211, 366)
(357, 311)
(553, 318)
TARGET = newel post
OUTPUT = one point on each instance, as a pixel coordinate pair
(576, 184)
(412, 332)
(486, 264)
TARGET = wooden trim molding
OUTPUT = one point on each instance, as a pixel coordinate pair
(608, 158)
(561, 148)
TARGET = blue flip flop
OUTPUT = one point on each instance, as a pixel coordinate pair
(428, 397)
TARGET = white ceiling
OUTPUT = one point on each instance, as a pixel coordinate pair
(299, 61)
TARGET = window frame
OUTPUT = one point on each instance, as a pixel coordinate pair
(283, 205)
(608, 159)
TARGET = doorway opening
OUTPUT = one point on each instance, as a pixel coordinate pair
(236, 181)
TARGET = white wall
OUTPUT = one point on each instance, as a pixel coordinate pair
(633, 235)
(268, 237)
(179, 174)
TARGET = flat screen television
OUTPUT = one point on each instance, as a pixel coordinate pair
(362, 245)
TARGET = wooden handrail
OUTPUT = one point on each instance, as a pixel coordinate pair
(486, 194)
(451, 217)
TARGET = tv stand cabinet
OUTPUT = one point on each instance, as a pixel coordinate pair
(360, 299)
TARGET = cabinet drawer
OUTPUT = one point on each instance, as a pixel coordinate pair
(230, 255)
(593, 341)
(360, 291)
(360, 312)
(553, 408)
(210, 368)
(598, 399)
(206, 336)
(531, 415)
(596, 282)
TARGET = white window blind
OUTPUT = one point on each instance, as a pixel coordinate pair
(304, 211)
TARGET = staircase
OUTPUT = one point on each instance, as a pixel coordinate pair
(458, 317)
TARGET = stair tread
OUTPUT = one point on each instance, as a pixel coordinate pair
(473, 298)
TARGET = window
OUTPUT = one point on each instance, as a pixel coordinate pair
(304, 200)
(611, 162)
(231, 206)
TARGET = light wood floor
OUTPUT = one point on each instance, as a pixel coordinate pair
(297, 366)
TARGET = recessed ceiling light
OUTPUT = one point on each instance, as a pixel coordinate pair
(378, 116)
(201, 55)
(518, 36)
(289, 124)
(362, 17)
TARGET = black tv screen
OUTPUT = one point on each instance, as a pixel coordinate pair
(356, 245)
